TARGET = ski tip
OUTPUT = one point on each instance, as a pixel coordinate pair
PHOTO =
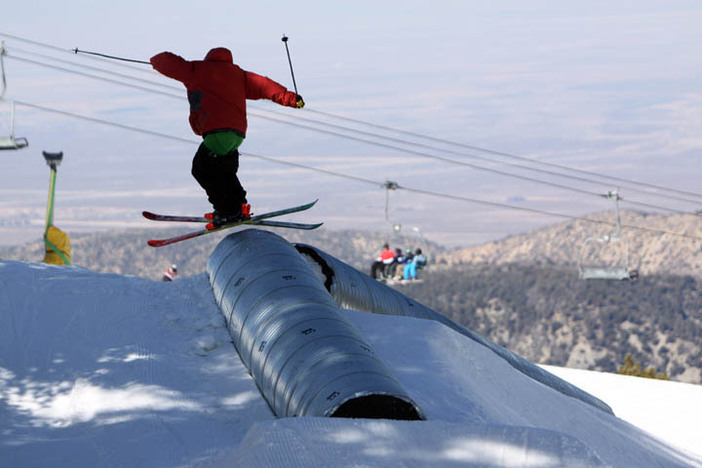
(154, 243)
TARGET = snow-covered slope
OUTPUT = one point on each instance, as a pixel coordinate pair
(107, 370)
(672, 411)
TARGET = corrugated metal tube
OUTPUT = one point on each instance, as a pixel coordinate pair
(303, 353)
(352, 289)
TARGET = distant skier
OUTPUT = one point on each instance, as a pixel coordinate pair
(217, 92)
(170, 274)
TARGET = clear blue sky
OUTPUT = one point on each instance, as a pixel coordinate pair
(611, 87)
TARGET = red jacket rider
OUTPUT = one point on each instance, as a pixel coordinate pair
(217, 93)
(218, 89)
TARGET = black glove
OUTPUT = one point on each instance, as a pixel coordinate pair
(299, 103)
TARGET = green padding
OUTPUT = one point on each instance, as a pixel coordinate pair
(56, 250)
(222, 143)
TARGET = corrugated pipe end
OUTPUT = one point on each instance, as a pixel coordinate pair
(378, 407)
(302, 351)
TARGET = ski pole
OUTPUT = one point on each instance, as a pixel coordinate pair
(113, 57)
(285, 40)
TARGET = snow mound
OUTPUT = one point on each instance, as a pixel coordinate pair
(107, 370)
(316, 442)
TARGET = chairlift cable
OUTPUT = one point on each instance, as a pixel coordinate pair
(356, 178)
(447, 160)
(538, 181)
(505, 154)
(102, 78)
(549, 213)
(70, 51)
(482, 158)
(466, 164)
(92, 68)
(423, 136)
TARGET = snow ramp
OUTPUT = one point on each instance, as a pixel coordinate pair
(354, 290)
(405, 443)
(283, 308)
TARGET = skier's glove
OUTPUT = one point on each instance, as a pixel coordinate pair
(299, 103)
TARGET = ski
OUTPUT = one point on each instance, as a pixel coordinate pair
(289, 225)
(202, 219)
(260, 220)
(180, 219)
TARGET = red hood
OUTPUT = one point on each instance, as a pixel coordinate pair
(219, 54)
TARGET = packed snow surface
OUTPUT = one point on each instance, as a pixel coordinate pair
(108, 370)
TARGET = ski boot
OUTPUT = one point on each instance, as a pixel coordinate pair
(222, 219)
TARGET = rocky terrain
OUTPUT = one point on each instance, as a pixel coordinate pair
(651, 251)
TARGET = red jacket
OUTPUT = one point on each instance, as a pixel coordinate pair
(218, 89)
(386, 256)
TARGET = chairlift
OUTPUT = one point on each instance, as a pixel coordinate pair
(390, 185)
(9, 142)
(397, 227)
(608, 243)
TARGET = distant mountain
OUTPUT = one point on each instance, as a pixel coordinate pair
(561, 244)
(126, 252)
(550, 316)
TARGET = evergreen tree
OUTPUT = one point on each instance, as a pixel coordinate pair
(631, 367)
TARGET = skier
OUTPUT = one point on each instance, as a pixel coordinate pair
(170, 274)
(217, 92)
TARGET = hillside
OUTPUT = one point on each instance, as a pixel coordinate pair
(126, 252)
(549, 316)
(560, 244)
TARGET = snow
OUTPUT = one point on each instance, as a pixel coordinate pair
(671, 411)
(108, 370)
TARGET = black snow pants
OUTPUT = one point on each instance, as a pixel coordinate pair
(217, 175)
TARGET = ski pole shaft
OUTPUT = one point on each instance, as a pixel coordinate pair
(285, 40)
(112, 57)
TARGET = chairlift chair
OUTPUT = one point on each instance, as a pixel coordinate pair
(390, 185)
(9, 142)
(621, 271)
(397, 227)
(606, 272)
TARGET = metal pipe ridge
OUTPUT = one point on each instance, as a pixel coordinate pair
(352, 289)
(304, 354)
